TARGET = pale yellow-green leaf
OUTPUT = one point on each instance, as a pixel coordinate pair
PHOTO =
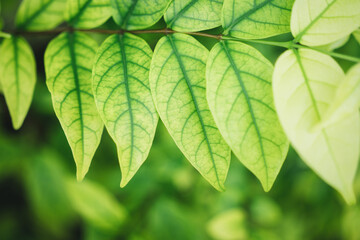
(334, 45)
(138, 14)
(240, 98)
(87, 13)
(18, 77)
(40, 15)
(123, 98)
(319, 22)
(347, 97)
(96, 205)
(256, 19)
(68, 63)
(177, 82)
(305, 85)
(193, 15)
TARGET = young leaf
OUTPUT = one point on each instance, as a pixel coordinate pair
(305, 84)
(40, 15)
(240, 98)
(347, 97)
(177, 82)
(123, 98)
(256, 19)
(96, 205)
(193, 15)
(68, 63)
(138, 14)
(18, 77)
(87, 13)
(319, 22)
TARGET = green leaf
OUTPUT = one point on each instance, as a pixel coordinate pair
(138, 14)
(305, 85)
(87, 13)
(177, 82)
(96, 205)
(18, 77)
(256, 19)
(45, 187)
(40, 15)
(121, 75)
(319, 22)
(230, 224)
(68, 63)
(240, 98)
(357, 35)
(193, 15)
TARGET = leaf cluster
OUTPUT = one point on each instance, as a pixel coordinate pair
(230, 98)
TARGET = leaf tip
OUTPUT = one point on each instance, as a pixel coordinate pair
(349, 197)
(80, 173)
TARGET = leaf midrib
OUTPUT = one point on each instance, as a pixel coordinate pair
(181, 12)
(71, 41)
(127, 16)
(17, 69)
(246, 14)
(73, 20)
(323, 131)
(301, 34)
(247, 98)
(186, 77)
(35, 15)
(126, 81)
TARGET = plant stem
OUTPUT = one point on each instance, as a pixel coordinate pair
(287, 45)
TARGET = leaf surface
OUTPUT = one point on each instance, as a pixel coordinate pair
(68, 64)
(319, 22)
(305, 85)
(96, 205)
(240, 98)
(177, 82)
(123, 98)
(17, 77)
(256, 19)
(40, 15)
(193, 15)
(357, 35)
(138, 14)
(87, 13)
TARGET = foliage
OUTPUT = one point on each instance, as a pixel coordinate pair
(211, 103)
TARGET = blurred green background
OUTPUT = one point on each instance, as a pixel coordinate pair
(167, 198)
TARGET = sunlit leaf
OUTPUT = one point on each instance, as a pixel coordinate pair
(40, 15)
(138, 14)
(96, 205)
(177, 81)
(256, 19)
(193, 15)
(18, 77)
(305, 85)
(240, 98)
(68, 64)
(123, 98)
(319, 22)
(334, 45)
(87, 13)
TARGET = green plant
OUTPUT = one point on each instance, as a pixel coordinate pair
(212, 103)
